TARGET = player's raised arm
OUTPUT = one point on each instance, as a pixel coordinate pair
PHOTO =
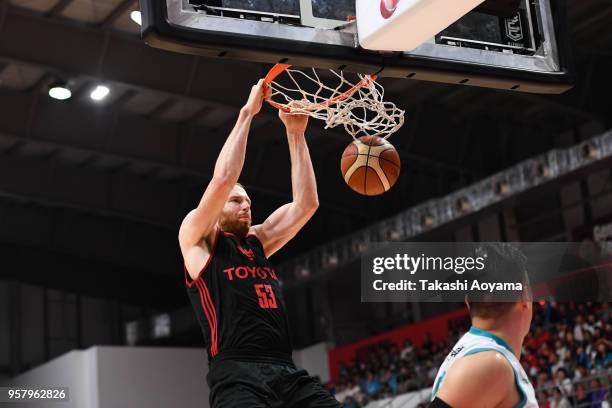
(284, 223)
(201, 221)
(484, 379)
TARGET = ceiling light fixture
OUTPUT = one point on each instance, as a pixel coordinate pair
(60, 91)
(99, 93)
(136, 17)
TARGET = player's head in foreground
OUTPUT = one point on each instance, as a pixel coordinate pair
(483, 369)
(509, 312)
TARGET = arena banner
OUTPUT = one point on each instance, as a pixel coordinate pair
(491, 272)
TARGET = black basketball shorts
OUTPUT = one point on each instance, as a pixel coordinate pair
(240, 384)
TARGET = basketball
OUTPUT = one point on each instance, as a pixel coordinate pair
(370, 165)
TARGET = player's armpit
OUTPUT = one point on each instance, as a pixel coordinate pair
(281, 226)
(485, 379)
(198, 256)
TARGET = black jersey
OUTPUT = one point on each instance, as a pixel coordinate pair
(238, 302)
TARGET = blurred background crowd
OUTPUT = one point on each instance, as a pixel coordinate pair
(567, 355)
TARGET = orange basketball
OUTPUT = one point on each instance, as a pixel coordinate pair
(370, 165)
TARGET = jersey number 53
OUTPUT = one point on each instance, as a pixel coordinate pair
(266, 297)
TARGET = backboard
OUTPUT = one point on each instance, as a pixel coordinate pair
(519, 45)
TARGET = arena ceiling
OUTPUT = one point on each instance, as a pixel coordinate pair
(96, 191)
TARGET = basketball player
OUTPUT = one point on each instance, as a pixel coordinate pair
(483, 368)
(234, 289)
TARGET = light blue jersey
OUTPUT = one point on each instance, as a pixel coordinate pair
(477, 340)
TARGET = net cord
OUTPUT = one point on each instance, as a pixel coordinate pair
(359, 107)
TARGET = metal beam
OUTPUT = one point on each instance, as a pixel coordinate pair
(117, 12)
(111, 149)
(590, 23)
(197, 114)
(162, 107)
(62, 229)
(87, 44)
(55, 269)
(46, 202)
(97, 41)
(135, 86)
(59, 8)
(113, 69)
(121, 100)
(45, 79)
(4, 6)
(552, 104)
(126, 162)
(202, 178)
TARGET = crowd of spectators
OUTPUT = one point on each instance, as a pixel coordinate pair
(386, 369)
(567, 355)
(568, 345)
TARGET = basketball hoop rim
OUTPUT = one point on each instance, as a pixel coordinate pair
(278, 69)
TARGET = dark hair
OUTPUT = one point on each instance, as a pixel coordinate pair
(504, 263)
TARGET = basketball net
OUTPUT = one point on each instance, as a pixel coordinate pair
(359, 106)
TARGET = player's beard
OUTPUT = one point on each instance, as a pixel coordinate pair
(235, 225)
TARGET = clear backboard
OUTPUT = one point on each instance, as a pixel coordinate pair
(519, 45)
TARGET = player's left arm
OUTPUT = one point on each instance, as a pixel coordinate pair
(284, 223)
